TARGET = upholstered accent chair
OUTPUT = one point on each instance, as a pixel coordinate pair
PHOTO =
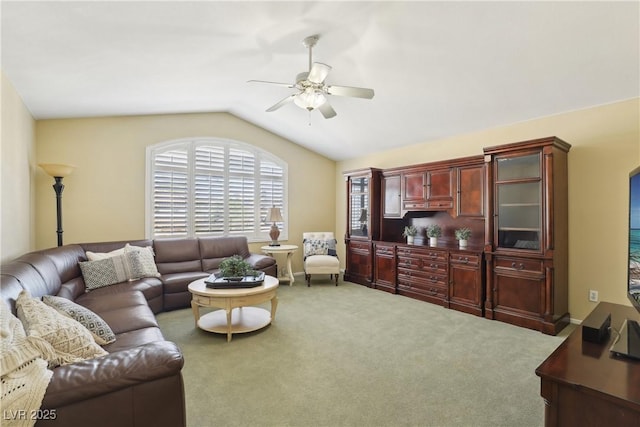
(320, 255)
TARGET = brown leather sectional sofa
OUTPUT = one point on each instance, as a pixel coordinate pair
(139, 383)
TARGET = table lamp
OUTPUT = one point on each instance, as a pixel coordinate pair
(273, 217)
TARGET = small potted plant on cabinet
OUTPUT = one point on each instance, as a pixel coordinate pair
(433, 232)
(410, 232)
(463, 234)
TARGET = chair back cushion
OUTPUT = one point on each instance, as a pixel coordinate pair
(319, 243)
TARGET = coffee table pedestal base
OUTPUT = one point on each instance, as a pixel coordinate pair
(243, 319)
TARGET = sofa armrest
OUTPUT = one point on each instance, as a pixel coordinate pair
(115, 371)
(260, 262)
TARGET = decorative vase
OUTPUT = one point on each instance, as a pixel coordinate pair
(462, 243)
(410, 240)
(433, 241)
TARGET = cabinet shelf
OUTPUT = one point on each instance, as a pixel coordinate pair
(518, 229)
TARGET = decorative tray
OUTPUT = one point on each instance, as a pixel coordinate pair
(215, 282)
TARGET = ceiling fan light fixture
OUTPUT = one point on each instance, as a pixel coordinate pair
(310, 99)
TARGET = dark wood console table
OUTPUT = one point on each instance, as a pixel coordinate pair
(583, 384)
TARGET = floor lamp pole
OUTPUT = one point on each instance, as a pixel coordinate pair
(58, 188)
(58, 171)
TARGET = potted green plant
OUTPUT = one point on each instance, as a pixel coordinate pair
(410, 232)
(463, 234)
(433, 232)
(235, 268)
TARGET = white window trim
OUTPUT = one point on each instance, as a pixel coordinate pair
(191, 143)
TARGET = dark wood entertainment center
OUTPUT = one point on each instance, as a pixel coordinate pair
(514, 200)
(583, 384)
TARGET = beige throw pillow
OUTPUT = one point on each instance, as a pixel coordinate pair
(95, 256)
(142, 265)
(71, 341)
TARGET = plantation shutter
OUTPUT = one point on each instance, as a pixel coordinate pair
(271, 191)
(210, 187)
(170, 193)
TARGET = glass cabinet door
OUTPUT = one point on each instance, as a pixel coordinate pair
(359, 207)
(519, 202)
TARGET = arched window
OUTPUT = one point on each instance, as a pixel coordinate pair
(213, 187)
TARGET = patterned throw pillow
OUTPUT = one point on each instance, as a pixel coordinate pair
(71, 341)
(315, 247)
(105, 272)
(100, 330)
(142, 263)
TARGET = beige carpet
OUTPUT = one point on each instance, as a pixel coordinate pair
(353, 356)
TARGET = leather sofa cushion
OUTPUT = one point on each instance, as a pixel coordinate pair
(46, 269)
(149, 286)
(223, 247)
(177, 255)
(10, 290)
(124, 311)
(66, 259)
(130, 339)
(116, 371)
(111, 301)
(179, 282)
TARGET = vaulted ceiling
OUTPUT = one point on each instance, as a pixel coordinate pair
(438, 68)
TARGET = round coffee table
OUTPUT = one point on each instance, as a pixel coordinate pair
(237, 316)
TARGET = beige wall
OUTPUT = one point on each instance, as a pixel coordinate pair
(17, 152)
(104, 198)
(605, 147)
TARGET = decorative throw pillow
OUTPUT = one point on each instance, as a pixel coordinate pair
(316, 247)
(105, 272)
(95, 256)
(71, 341)
(142, 261)
(100, 330)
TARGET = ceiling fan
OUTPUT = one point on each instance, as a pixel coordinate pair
(312, 89)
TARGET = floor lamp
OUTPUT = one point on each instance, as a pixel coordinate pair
(58, 171)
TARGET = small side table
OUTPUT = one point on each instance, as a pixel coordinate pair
(283, 249)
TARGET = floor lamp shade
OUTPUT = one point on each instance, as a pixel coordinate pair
(58, 171)
(274, 216)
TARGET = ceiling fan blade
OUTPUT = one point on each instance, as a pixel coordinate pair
(289, 85)
(356, 92)
(327, 110)
(286, 100)
(318, 72)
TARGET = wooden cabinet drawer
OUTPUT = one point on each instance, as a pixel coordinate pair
(519, 264)
(384, 250)
(467, 259)
(423, 265)
(355, 245)
(440, 204)
(414, 205)
(425, 277)
(426, 254)
(421, 287)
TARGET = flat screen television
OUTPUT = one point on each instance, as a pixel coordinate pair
(628, 343)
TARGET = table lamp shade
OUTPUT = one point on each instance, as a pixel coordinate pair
(274, 215)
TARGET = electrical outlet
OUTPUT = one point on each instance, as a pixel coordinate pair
(593, 295)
